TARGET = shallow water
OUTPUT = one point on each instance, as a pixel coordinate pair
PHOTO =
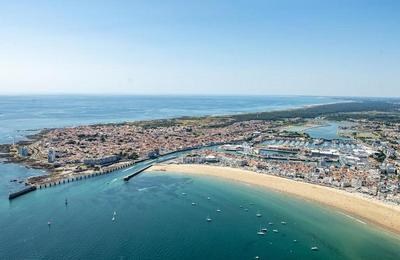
(155, 221)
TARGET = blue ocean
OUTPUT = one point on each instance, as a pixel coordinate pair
(154, 215)
(20, 115)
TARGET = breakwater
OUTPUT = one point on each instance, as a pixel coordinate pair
(128, 177)
(103, 171)
(21, 192)
(161, 158)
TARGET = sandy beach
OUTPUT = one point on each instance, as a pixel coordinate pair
(368, 210)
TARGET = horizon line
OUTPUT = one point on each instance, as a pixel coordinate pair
(190, 95)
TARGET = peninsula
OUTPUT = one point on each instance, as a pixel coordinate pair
(363, 159)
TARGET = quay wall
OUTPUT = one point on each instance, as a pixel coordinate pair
(21, 192)
(85, 176)
(111, 169)
(126, 178)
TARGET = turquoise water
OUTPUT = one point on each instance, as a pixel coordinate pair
(155, 221)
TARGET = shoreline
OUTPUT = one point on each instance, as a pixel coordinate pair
(368, 210)
(30, 138)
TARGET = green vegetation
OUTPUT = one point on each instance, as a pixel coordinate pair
(368, 109)
(330, 111)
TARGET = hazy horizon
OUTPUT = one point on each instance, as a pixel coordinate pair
(307, 48)
(188, 95)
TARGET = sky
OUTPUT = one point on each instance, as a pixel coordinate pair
(206, 47)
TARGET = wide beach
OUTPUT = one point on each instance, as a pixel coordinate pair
(369, 210)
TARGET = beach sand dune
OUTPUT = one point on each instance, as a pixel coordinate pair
(369, 210)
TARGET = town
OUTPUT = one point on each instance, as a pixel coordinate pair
(364, 158)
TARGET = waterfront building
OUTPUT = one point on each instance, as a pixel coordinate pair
(51, 155)
(153, 154)
(23, 151)
(102, 161)
(247, 149)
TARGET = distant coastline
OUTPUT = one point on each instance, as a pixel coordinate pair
(369, 210)
(305, 112)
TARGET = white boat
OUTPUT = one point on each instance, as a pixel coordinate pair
(283, 222)
(270, 223)
(275, 231)
(258, 214)
(208, 198)
(183, 193)
(264, 229)
(246, 209)
(260, 232)
(193, 203)
(115, 213)
(113, 219)
(218, 210)
(314, 248)
(208, 219)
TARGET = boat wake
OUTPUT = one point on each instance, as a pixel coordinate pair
(146, 188)
(128, 169)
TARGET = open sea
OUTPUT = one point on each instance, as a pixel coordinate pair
(154, 220)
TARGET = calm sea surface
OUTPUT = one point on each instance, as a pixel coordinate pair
(20, 114)
(154, 220)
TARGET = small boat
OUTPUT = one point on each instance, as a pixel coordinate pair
(115, 213)
(183, 193)
(218, 210)
(270, 223)
(258, 214)
(208, 219)
(113, 218)
(240, 206)
(260, 232)
(264, 229)
(275, 231)
(49, 223)
(283, 222)
(257, 257)
(314, 248)
(295, 240)
(246, 209)
(208, 198)
(193, 203)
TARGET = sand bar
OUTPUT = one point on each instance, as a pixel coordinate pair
(369, 210)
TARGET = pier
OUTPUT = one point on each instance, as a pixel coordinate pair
(21, 192)
(126, 178)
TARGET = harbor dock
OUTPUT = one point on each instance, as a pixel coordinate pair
(21, 192)
(126, 178)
